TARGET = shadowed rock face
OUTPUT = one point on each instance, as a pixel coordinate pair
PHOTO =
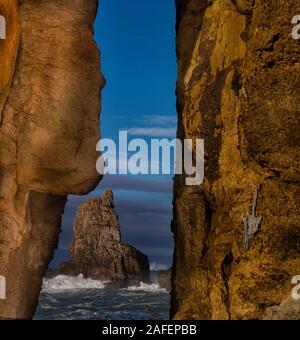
(164, 278)
(239, 89)
(97, 251)
(48, 134)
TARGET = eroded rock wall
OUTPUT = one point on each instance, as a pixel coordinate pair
(50, 104)
(239, 89)
(9, 48)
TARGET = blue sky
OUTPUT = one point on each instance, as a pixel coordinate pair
(137, 42)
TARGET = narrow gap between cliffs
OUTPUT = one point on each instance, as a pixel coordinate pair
(138, 60)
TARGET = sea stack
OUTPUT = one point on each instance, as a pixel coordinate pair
(97, 251)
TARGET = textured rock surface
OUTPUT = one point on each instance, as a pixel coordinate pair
(164, 279)
(287, 310)
(48, 132)
(97, 251)
(8, 48)
(239, 89)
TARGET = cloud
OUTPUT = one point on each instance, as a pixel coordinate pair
(155, 126)
(142, 207)
(130, 183)
(126, 183)
(160, 120)
(158, 132)
(151, 251)
(158, 126)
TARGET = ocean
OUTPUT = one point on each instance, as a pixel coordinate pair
(76, 298)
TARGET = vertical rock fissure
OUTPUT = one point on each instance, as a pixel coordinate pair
(226, 269)
(208, 225)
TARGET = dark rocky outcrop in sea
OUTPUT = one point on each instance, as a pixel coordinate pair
(164, 278)
(97, 251)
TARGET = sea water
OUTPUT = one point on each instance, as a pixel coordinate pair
(76, 298)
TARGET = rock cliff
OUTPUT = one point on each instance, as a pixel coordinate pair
(239, 89)
(49, 108)
(97, 251)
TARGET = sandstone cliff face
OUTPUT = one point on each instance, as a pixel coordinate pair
(239, 89)
(97, 251)
(49, 109)
(9, 48)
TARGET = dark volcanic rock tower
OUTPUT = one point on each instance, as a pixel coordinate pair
(49, 126)
(96, 250)
(239, 89)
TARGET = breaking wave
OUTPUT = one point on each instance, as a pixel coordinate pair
(144, 287)
(76, 298)
(63, 282)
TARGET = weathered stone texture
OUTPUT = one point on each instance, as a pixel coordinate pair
(239, 89)
(49, 108)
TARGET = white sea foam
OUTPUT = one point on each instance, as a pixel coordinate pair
(157, 267)
(144, 287)
(63, 282)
